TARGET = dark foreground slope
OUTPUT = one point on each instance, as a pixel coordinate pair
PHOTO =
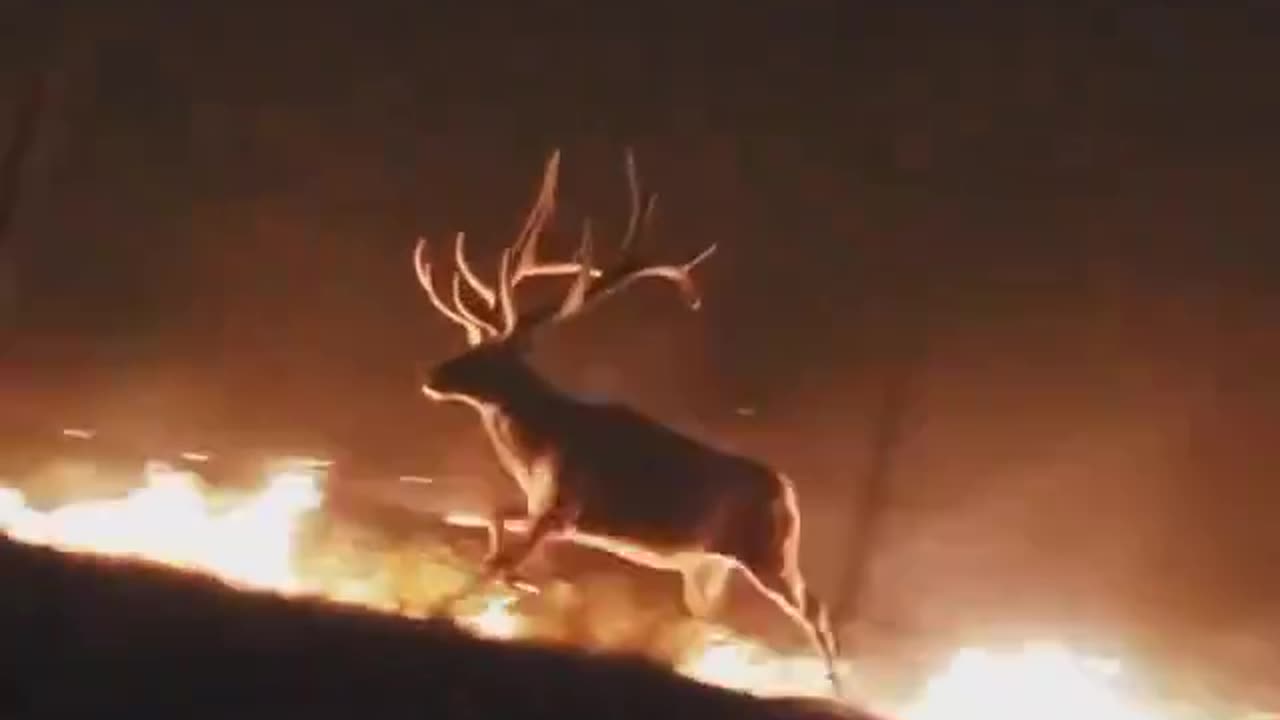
(87, 637)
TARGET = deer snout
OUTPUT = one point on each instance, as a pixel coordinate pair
(437, 386)
(429, 383)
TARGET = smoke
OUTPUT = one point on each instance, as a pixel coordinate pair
(1086, 440)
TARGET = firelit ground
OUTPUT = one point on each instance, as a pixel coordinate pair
(89, 637)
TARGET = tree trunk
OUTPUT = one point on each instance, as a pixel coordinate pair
(873, 495)
(11, 165)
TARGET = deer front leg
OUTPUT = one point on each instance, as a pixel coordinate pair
(498, 529)
(536, 478)
(498, 548)
(508, 560)
(503, 563)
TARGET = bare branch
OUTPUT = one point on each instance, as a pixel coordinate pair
(24, 135)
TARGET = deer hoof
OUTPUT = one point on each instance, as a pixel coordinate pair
(523, 586)
(517, 582)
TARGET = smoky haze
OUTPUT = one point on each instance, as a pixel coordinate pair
(1055, 229)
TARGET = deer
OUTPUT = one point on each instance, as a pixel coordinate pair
(601, 474)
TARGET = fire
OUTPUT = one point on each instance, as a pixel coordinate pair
(254, 540)
(170, 520)
(1044, 681)
(496, 619)
(734, 662)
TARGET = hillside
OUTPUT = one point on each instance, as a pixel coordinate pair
(91, 637)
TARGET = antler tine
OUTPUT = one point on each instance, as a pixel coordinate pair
(592, 284)
(526, 245)
(630, 267)
(628, 271)
(460, 304)
(638, 219)
(552, 269)
(524, 250)
(529, 265)
(473, 281)
(577, 295)
(506, 294)
(681, 275)
(422, 266)
(633, 195)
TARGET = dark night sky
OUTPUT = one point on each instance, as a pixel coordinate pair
(1061, 218)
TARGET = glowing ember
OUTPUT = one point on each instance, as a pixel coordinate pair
(253, 540)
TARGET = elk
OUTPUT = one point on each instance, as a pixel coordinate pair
(600, 474)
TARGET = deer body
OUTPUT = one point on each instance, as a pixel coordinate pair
(603, 475)
(620, 474)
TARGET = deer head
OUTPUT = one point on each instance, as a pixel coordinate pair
(498, 334)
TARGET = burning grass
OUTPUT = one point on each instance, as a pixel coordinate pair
(279, 538)
(92, 636)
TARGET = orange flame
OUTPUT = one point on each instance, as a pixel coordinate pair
(169, 520)
(253, 541)
(1043, 681)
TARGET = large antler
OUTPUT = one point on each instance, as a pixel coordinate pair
(592, 284)
(520, 261)
(501, 301)
(477, 329)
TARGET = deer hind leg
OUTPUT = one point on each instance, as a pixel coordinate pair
(705, 579)
(786, 588)
(774, 567)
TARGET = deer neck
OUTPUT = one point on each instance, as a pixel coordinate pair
(520, 421)
(523, 397)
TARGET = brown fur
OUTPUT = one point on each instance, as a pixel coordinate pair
(604, 475)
